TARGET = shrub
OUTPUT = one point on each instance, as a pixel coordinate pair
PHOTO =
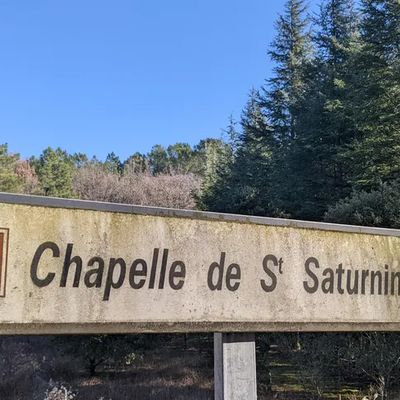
(376, 208)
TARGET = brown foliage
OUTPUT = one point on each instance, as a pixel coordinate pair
(30, 182)
(175, 191)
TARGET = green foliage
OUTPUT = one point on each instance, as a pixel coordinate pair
(317, 174)
(80, 159)
(240, 181)
(55, 170)
(376, 208)
(205, 155)
(136, 163)
(158, 160)
(219, 159)
(251, 177)
(253, 166)
(9, 180)
(375, 154)
(327, 122)
(325, 125)
(113, 163)
(179, 157)
(291, 52)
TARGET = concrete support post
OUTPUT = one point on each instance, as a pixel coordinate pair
(235, 366)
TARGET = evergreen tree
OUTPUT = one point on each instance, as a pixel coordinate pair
(256, 166)
(55, 170)
(219, 158)
(375, 152)
(137, 163)
(317, 170)
(239, 180)
(158, 160)
(80, 159)
(250, 175)
(113, 163)
(204, 158)
(291, 52)
(9, 180)
(337, 28)
(180, 158)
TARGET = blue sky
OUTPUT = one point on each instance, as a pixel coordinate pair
(98, 76)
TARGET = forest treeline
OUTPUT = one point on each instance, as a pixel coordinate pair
(169, 177)
(320, 140)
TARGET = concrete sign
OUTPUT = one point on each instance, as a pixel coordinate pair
(83, 267)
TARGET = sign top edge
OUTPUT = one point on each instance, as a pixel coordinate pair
(54, 202)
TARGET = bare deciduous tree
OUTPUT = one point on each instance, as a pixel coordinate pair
(177, 191)
(28, 176)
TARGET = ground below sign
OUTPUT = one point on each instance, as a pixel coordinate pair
(84, 267)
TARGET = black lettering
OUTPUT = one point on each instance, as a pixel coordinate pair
(364, 276)
(386, 279)
(314, 287)
(354, 289)
(153, 269)
(327, 284)
(174, 273)
(339, 273)
(269, 287)
(97, 273)
(376, 274)
(110, 283)
(42, 282)
(67, 263)
(163, 269)
(135, 271)
(395, 275)
(219, 267)
(232, 274)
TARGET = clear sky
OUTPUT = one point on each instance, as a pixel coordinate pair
(98, 76)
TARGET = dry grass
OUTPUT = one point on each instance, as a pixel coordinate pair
(175, 375)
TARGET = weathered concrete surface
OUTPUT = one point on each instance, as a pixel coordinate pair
(235, 366)
(28, 308)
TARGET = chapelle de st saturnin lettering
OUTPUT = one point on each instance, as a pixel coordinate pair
(138, 273)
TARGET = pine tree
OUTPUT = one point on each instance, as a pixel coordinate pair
(137, 163)
(158, 160)
(113, 163)
(204, 156)
(238, 176)
(337, 28)
(219, 158)
(9, 180)
(80, 159)
(317, 170)
(375, 152)
(55, 170)
(251, 172)
(180, 157)
(290, 51)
